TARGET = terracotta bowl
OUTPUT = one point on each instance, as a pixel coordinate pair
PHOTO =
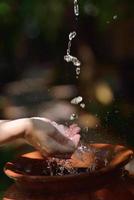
(89, 168)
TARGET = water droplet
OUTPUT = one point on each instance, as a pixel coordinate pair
(67, 58)
(72, 35)
(76, 8)
(76, 100)
(75, 61)
(73, 117)
(82, 105)
(83, 147)
(78, 70)
(108, 22)
(28, 169)
(115, 17)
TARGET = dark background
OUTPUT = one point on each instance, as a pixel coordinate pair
(36, 81)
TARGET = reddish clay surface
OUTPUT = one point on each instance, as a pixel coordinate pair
(76, 178)
(118, 191)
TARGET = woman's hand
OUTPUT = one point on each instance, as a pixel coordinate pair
(51, 138)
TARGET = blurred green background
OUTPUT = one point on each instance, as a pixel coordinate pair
(36, 81)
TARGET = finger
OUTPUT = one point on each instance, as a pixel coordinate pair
(73, 130)
(73, 125)
(76, 130)
(41, 118)
(60, 138)
(76, 139)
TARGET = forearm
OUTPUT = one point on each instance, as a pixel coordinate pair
(10, 130)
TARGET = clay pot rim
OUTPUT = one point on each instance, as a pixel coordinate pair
(116, 163)
(37, 178)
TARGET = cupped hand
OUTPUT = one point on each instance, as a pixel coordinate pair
(51, 138)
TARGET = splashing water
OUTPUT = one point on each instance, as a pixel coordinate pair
(83, 148)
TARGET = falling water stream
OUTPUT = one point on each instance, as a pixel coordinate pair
(68, 57)
(75, 61)
(79, 99)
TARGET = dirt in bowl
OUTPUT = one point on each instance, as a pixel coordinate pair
(85, 160)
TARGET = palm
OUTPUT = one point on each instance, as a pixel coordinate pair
(51, 138)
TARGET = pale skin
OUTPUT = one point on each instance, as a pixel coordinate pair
(45, 135)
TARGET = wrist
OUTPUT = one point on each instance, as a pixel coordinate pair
(28, 127)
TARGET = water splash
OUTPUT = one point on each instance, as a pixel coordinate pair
(83, 148)
(28, 169)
